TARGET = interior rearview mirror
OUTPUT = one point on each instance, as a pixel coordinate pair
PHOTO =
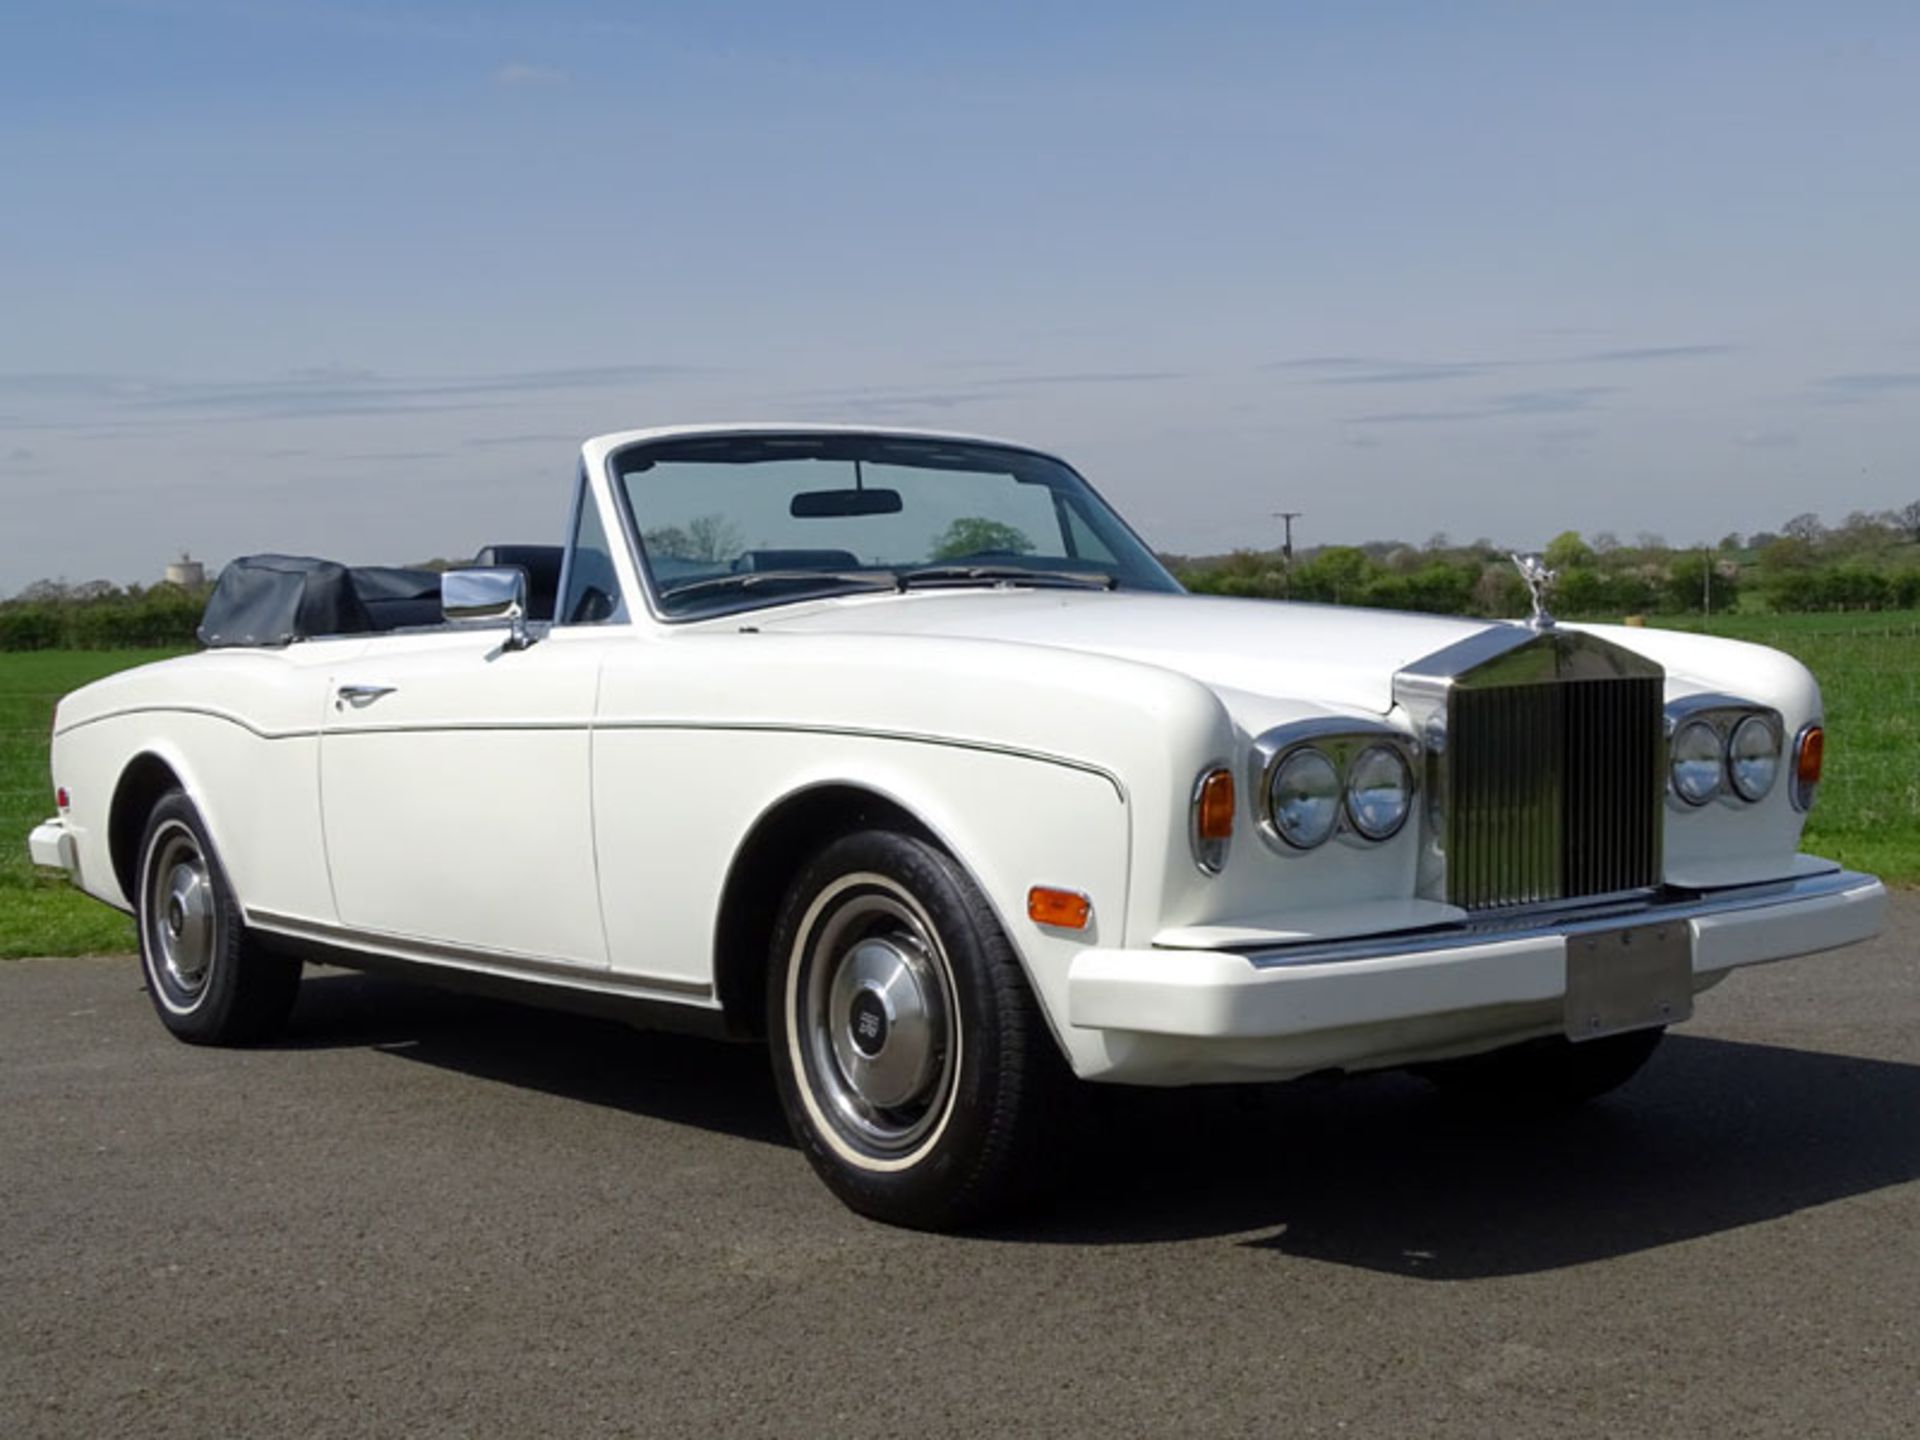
(825, 504)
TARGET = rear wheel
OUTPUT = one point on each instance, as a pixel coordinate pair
(1548, 1074)
(211, 980)
(914, 1066)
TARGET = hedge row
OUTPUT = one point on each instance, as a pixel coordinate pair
(122, 620)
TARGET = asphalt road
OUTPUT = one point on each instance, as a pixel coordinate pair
(429, 1215)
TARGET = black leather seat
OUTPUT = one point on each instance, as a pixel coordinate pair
(542, 564)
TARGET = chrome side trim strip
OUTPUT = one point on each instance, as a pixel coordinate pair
(210, 712)
(1688, 905)
(488, 962)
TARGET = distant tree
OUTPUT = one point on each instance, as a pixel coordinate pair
(669, 541)
(1807, 527)
(1789, 552)
(1693, 577)
(1566, 550)
(1605, 543)
(1337, 573)
(1908, 519)
(1651, 540)
(1500, 591)
(713, 538)
(708, 539)
(1439, 540)
(1731, 541)
(977, 535)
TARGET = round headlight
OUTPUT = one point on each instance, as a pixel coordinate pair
(1753, 757)
(1379, 792)
(1698, 760)
(1303, 798)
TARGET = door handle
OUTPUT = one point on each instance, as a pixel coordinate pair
(359, 696)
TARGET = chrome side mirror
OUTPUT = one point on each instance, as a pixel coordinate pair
(486, 595)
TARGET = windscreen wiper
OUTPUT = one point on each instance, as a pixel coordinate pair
(1005, 575)
(750, 579)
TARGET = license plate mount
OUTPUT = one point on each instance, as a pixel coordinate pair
(1628, 979)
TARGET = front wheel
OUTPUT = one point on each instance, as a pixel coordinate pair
(211, 980)
(913, 1064)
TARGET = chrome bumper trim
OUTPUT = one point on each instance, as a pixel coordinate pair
(51, 845)
(1570, 920)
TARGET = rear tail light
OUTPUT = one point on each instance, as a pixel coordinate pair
(61, 798)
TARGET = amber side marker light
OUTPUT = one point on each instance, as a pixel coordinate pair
(1808, 755)
(1215, 818)
(1062, 909)
(1212, 823)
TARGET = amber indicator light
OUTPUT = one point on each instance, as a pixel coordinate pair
(1215, 818)
(1813, 746)
(1062, 909)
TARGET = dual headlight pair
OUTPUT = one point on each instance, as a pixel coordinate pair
(1314, 790)
(1309, 788)
(1718, 746)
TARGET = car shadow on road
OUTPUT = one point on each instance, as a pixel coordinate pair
(1377, 1172)
(1383, 1174)
(677, 1078)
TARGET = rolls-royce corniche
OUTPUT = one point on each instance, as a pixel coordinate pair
(901, 754)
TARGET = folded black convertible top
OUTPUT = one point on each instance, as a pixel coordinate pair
(277, 599)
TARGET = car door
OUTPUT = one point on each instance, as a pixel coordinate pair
(455, 783)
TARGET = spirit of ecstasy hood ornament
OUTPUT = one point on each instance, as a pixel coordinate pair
(1539, 580)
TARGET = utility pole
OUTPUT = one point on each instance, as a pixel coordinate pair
(1706, 584)
(1286, 549)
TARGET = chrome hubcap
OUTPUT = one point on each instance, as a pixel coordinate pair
(180, 922)
(884, 1018)
(876, 1006)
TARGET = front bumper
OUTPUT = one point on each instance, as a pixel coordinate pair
(51, 844)
(1188, 1016)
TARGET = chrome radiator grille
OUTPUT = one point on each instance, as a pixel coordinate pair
(1553, 790)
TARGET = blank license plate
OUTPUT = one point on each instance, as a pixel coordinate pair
(1629, 979)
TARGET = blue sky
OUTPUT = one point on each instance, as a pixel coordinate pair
(355, 278)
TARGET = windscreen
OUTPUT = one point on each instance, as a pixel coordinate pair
(731, 522)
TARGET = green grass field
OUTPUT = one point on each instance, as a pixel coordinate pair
(39, 913)
(1868, 815)
(1868, 665)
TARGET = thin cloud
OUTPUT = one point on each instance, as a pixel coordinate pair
(1868, 385)
(1418, 374)
(1650, 353)
(488, 442)
(1085, 377)
(521, 76)
(1519, 404)
(1355, 370)
(324, 392)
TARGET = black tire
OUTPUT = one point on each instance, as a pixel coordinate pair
(884, 942)
(212, 981)
(1545, 1075)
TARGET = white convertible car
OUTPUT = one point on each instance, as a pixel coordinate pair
(900, 752)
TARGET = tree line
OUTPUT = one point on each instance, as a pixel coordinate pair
(1871, 561)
